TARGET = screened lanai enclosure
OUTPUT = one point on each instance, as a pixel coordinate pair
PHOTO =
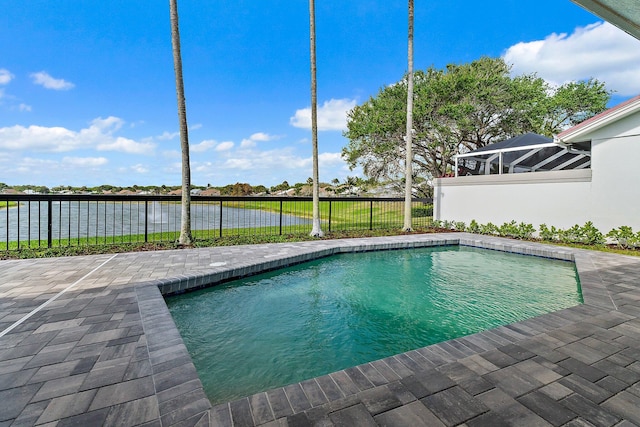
(524, 153)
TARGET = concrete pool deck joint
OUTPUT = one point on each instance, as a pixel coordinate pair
(120, 359)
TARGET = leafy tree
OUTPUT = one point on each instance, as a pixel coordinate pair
(260, 189)
(574, 102)
(185, 219)
(241, 189)
(280, 187)
(458, 109)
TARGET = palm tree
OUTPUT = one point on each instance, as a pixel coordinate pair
(316, 231)
(409, 136)
(185, 238)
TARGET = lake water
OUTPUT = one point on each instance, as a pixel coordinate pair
(106, 219)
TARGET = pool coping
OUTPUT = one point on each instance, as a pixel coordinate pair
(315, 399)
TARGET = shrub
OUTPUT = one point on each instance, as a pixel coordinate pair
(570, 235)
(548, 234)
(625, 237)
(525, 231)
(474, 227)
(587, 235)
(508, 229)
(488, 228)
(590, 235)
(422, 211)
(459, 226)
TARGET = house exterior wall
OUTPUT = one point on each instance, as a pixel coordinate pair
(558, 198)
(608, 194)
(615, 164)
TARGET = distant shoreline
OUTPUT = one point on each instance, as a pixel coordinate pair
(11, 205)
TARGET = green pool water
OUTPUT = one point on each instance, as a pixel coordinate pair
(289, 325)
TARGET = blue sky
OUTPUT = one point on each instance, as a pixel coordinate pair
(87, 89)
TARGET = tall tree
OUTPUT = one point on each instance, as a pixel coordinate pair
(408, 172)
(185, 220)
(316, 230)
(457, 109)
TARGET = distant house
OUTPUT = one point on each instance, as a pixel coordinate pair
(209, 192)
(589, 172)
(11, 191)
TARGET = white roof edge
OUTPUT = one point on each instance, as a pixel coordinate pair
(596, 122)
(506, 150)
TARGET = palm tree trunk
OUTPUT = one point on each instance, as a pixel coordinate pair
(409, 135)
(316, 230)
(185, 219)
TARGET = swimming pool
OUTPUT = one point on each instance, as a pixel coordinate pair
(318, 317)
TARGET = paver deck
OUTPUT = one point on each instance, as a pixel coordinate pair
(89, 341)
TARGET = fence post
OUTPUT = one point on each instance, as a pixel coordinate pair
(220, 218)
(281, 217)
(371, 215)
(7, 211)
(146, 221)
(49, 222)
(329, 216)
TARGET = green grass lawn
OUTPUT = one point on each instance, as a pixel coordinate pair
(5, 205)
(344, 214)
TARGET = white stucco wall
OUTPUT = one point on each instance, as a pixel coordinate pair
(616, 182)
(608, 194)
(559, 198)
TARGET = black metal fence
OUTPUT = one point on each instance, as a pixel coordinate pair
(33, 221)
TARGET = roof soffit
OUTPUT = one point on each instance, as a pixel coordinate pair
(624, 14)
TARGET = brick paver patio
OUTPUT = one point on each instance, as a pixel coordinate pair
(89, 341)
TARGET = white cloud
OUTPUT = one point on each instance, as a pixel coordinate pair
(38, 138)
(256, 137)
(330, 159)
(224, 146)
(208, 144)
(85, 162)
(332, 115)
(139, 168)
(168, 135)
(598, 50)
(24, 107)
(261, 136)
(247, 143)
(99, 135)
(30, 166)
(238, 163)
(203, 146)
(5, 76)
(127, 145)
(196, 126)
(43, 79)
(278, 159)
